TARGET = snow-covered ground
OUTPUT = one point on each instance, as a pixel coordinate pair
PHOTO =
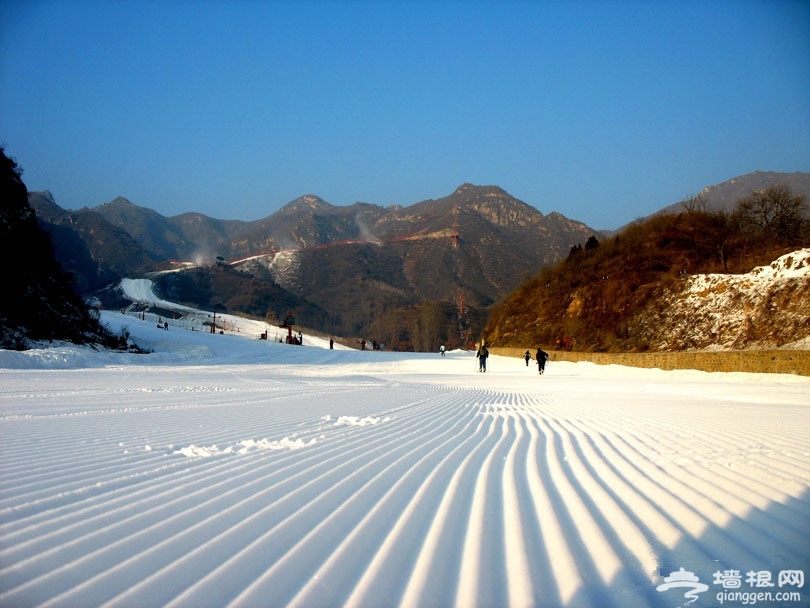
(223, 470)
(140, 291)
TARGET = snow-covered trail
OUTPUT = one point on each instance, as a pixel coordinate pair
(311, 477)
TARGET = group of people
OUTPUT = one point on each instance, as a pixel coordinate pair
(540, 356)
(291, 339)
(374, 345)
(564, 344)
(482, 354)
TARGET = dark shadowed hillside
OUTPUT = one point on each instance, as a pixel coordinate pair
(189, 236)
(89, 248)
(221, 288)
(38, 302)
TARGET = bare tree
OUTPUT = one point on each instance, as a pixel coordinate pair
(424, 326)
(696, 202)
(773, 212)
(415, 332)
(432, 318)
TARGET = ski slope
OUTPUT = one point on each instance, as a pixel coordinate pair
(222, 470)
(141, 293)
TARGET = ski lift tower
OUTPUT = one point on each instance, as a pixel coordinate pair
(289, 323)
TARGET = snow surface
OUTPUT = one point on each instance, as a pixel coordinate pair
(223, 470)
(141, 292)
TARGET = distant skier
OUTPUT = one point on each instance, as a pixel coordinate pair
(528, 356)
(441, 350)
(541, 356)
(331, 343)
(482, 355)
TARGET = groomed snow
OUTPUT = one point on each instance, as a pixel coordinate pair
(223, 470)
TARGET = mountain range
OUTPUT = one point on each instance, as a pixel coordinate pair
(349, 270)
(346, 266)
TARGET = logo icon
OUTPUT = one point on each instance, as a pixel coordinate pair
(684, 579)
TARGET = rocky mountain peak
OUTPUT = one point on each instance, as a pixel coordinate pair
(119, 201)
(495, 204)
(308, 202)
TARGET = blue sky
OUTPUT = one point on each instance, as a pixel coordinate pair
(604, 111)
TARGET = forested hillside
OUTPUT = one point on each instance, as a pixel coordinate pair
(39, 302)
(605, 296)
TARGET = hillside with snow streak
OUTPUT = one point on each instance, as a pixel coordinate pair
(728, 311)
(224, 471)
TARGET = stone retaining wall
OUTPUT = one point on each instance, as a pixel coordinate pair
(760, 361)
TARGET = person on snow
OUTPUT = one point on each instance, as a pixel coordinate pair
(541, 356)
(528, 356)
(482, 355)
(441, 350)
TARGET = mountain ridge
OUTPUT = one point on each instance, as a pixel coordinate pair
(723, 196)
(358, 268)
(356, 264)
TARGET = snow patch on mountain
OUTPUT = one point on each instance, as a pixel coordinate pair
(720, 311)
(285, 266)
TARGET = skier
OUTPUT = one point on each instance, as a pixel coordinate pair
(441, 350)
(482, 355)
(542, 357)
(528, 356)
